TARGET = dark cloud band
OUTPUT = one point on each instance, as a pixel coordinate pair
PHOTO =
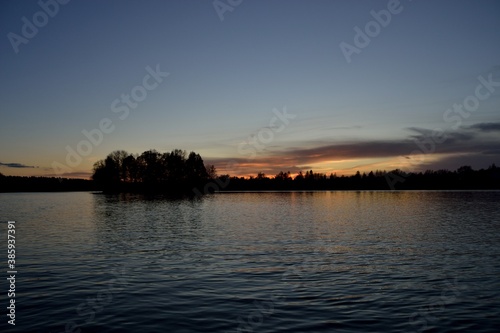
(16, 165)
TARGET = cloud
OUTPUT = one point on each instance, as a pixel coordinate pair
(343, 127)
(458, 148)
(492, 152)
(16, 165)
(297, 159)
(485, 127)
(350, 150)
(451, 137)
(452, 162)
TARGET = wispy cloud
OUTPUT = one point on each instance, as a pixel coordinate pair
(451, 136)
(16, 165)
(485, 127)
(462, 147)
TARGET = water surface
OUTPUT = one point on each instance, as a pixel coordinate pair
(256, 262)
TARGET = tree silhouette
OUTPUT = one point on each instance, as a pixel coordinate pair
(211, 172)
(151, 171)
(463, 178)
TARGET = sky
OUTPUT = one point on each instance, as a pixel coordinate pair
(251, 85)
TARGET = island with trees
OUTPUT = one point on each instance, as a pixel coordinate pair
(171, 172)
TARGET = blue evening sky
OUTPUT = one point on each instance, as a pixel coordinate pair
(227, 76)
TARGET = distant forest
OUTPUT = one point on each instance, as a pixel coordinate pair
(462, 179)
(179, 173)
(44, 184)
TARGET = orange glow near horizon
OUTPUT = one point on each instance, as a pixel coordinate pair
(271, 166)
(340, 168)
(343, 167)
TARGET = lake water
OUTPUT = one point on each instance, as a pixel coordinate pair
(255, 262)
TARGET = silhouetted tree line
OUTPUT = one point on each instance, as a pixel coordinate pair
(177, 174)
(151, 171)
(462, 178)
(44, 184)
